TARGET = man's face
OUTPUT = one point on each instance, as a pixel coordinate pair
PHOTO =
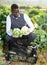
(15, 12)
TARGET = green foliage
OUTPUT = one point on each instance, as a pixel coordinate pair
(1, 43)
(40, 19)
(44, 27)
(41, 38)
(34, 12)
(4, 11)
(1, 63)
(38, 7)
(24, 7)
(1, 53)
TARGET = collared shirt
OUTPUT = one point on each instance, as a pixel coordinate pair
(27, 19)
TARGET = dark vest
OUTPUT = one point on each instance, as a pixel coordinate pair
(17, 23)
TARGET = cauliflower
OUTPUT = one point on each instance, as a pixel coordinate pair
(25, 30)
(16, 32)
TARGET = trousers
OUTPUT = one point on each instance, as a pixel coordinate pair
(30, 38)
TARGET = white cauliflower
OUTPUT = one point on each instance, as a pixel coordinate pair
(16, 32)
(25, 30)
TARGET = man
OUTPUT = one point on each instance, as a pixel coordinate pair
(18, 20)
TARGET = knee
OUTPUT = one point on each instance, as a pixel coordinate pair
(32, 36)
